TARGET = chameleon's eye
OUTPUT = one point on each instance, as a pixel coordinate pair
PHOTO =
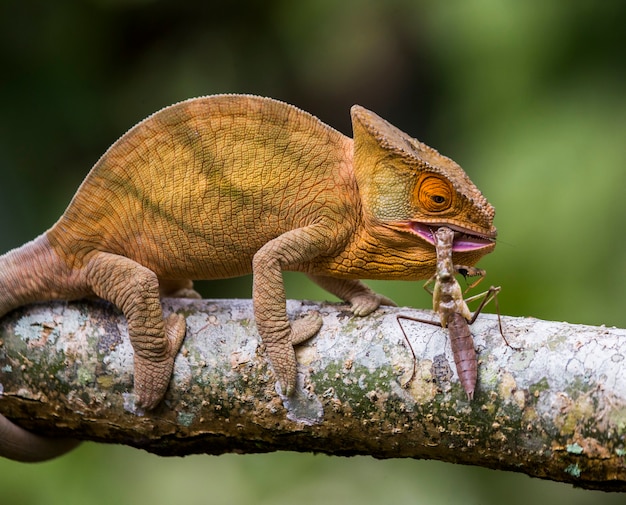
(434, 194)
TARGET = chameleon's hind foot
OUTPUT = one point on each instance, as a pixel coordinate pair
(178, 289)
(186, 293)
(152, 376)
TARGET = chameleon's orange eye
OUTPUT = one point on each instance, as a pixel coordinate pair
(434, 194)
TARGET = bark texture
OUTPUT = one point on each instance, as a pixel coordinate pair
(555, 408)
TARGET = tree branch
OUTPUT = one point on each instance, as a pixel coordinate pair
(555, 409)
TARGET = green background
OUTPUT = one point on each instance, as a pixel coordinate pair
(529, 97)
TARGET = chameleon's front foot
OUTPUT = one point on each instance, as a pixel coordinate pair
(366, 303)
(281, 353)
(362, 299)
(152, 376)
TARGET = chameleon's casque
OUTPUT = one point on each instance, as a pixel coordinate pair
(225, 185)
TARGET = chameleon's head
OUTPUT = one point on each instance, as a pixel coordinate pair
(408, 187)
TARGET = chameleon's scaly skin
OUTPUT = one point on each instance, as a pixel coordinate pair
(225, 185)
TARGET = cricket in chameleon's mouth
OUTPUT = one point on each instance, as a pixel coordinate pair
(463, 240)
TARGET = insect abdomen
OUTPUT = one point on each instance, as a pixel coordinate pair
(464, 353)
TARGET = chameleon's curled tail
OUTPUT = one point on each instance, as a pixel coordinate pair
(33, 272)
(20, 445)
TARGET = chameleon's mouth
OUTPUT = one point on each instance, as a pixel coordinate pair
(464, 240)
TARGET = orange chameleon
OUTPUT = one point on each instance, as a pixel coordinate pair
(225, 185)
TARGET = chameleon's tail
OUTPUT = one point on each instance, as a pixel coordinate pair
(32, 272)
(20, 445)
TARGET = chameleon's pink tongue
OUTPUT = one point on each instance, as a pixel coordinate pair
(462, 241)
(424, 231)
(465, 242)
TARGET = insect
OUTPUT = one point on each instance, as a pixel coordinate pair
(452, 308)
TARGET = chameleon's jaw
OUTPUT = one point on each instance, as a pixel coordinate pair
(464, 240)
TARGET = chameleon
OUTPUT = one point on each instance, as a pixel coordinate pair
(226, 185)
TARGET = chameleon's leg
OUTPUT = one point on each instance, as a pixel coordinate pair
(135, 290)
(177, 289)
(295, 247)
(361, 297)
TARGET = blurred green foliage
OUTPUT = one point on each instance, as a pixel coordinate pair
(529, 97)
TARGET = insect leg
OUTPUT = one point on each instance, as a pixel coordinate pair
(466, 272)
(487, 296)
(427, 287)
(408, 342)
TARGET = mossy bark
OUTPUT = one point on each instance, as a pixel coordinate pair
(554, 409)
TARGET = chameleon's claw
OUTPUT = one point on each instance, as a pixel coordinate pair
(283, 360)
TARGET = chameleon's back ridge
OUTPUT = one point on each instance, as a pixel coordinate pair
(225, 185)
